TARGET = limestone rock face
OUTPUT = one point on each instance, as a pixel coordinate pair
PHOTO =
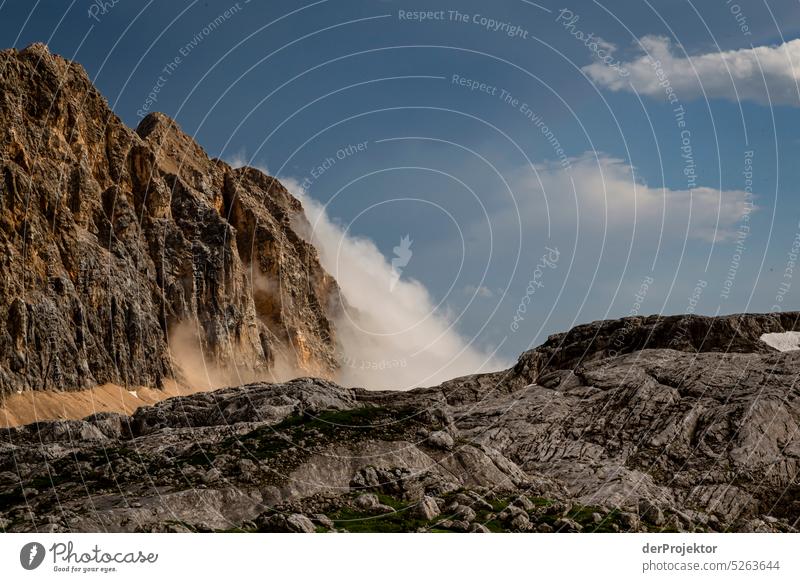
(126, 253)
(688, 333)
(694, 437)
(123, 251)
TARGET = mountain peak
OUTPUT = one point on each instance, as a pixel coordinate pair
(131, 257)
(39, 49)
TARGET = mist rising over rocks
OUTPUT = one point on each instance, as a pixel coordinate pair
(132, 259)
(698, 433)
(390, 333)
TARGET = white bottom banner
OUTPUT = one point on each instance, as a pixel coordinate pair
(353, 557)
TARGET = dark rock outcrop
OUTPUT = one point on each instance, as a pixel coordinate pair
(700, 438)
(115, 242)
(686, 333)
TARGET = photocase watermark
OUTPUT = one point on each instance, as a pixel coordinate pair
(66, 559)
(169, 69)
(679, 114)
(322, 167)
(487, 23)
(402, 256)
(473, 84)
(640, 296)
(682, 335)
(687, 151)
(372, 365)
(638, 299)
(548, 260)
(739, 16)
(100, 8)
(694, 298)
(507, 98)
(664, 83)
(603, 51)
(537, 120)
(31, 555)
(788, 272)
(743, 232)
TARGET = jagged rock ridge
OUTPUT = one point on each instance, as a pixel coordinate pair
(696, 431)
(114, 240)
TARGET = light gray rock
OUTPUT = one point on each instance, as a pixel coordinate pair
(299, 523)
(367, 501)
(441, 439)
(567, 525)
(650, 512)
(511, 512)
(464, 513)
(520, 522)
(427, 508)
(211, 476)
(523, 502)
(324, 521)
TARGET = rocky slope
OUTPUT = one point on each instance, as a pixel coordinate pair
(127, 256)
(122, 252)
(641, 424)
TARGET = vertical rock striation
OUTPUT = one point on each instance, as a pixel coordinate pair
(127, 252)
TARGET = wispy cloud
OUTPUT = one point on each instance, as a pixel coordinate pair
(609, 195)
(482, 291)
(764, 74)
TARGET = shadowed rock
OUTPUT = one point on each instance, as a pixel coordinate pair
(123, 249)
(115, 242)
(695, 439)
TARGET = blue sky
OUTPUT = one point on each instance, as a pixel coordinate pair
(550, 149)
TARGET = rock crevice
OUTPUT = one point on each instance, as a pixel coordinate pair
(124, 250)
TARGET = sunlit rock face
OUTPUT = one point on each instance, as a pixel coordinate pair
(130, 257)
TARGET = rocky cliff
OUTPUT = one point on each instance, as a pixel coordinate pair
(679, 424)
(124, 253)
(130, 257)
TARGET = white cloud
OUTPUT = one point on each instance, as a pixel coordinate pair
(240, 159)
(735, 74)
(609, 195)
(390, 332)
(482, 291)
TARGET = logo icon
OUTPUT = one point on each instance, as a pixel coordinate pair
(403, 255)
(31, 555)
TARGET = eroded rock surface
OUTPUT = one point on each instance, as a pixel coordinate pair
(114, 242)
(697, 437)
(120, 248)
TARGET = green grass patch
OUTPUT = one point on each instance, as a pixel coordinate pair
(360, 522)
